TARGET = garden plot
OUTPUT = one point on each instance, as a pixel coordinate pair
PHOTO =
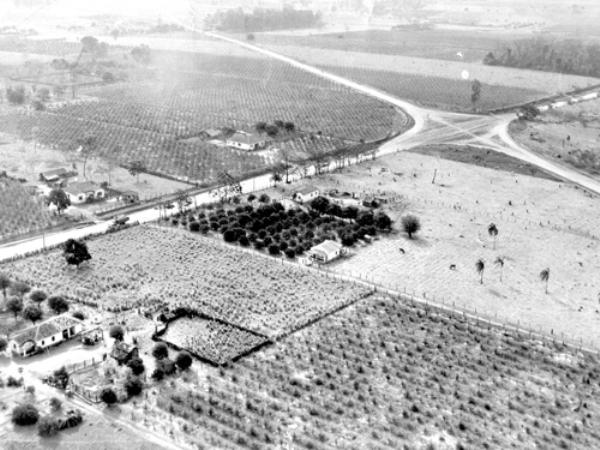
(383, 374)
(212, 340)
(542, 224)
(149, 266)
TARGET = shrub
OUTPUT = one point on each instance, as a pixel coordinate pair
(78, 315)
(274, 249)
(290, 253)
(194, 227)
(58, 304)
(167, 366)
(26, 414)
(251, 197)
(411, 225)
(108, 396)
(116, 332)
(48, 426)
(348, 240)
(183, 360)
(264, 198)
(133, 386)
(283, 246)
(158, 374)
(160, 350)
(230, 235)
(38, 296)
(61, 377)
(13, 382)
(383, 221)
(55, 404)
(136, 365)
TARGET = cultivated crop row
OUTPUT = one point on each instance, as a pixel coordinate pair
(19, 211)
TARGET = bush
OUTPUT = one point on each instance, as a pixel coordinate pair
(158, 374)
(411, 225)
(290, 253)
(13, 382)
(58, 304)
(133, 386)
(78, 315)
(160, 350)
(61, 377)
(136, 365)
(55, 404)
(38, 296)
(116, 332)
(48, 426)
(274, 249)
(230, 235)
(264, 198)
(194, 227)
(183, 360)
(26, 414)
(108, 396)
(167, 366)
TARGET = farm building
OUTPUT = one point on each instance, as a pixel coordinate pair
(57, 175)
(326, 251)
(211, 133)
(84, 191)
(246, 141)
(45, 334)
(306, 194)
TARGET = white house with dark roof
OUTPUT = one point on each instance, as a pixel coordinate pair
(84, 191)
(57, 175)
(45, 334)
(246, 141)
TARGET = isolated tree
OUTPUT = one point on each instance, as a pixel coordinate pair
(135, 168)
(108, 396)
(133, 386)
(48, 426)
(33, 313)
(15, 305)
(136, 365)
(3, 344)
(38, 296)
(61, 377)
(76, 252)
(20, 288)
(480, 267)
(499, 262)
(60, 199)
(116, 332)
(411, 225)
(87, 146)
(545, 277)
(475, 92)
(4, 284)
(183, 360)
(493, 232)
(160, 350)
(58, 304)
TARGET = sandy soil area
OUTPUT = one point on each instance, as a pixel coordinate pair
(542, 224)
(568, 135)
(24, 160)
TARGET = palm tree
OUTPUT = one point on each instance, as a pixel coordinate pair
(493, 232)
(480, 266)
(545, 276)
(500, 263)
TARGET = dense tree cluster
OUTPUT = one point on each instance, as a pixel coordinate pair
(540, 53)
(262, 19)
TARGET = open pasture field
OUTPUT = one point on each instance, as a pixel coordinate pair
(150, 266)
(567, 135)
(542, 224)
(20, 212)
(153, 121)
(435, 43)
(384, 375)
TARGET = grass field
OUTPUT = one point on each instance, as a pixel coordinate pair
(568, 135)
(149, 266)
(542, 224)
(382, 374)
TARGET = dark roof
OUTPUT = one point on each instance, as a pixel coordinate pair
(45, 329)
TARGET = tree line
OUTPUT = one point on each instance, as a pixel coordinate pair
(262, 19)
(570, 56)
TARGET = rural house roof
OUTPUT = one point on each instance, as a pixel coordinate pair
(245, 138)
(45, 329)
(307, 190)
(81, 187)
(328, 247)
(212, 132)
(53, 174)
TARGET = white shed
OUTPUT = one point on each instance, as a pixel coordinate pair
(306, 194)
(326, 251)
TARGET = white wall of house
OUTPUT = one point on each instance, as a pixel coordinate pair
(48, 341)
(303, 198)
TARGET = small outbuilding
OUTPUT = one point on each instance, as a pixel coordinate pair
(306, 194)
(84, 191)
(326, 251)
(45, 334)
(58, 175)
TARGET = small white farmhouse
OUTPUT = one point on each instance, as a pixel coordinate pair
(305, 194)
(246, 141)
(45, 334)
(84, 191)
(326, 251)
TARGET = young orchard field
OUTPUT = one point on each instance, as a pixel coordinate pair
(151, 121)
(150, 266)
(19, 211)
(383, 374)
